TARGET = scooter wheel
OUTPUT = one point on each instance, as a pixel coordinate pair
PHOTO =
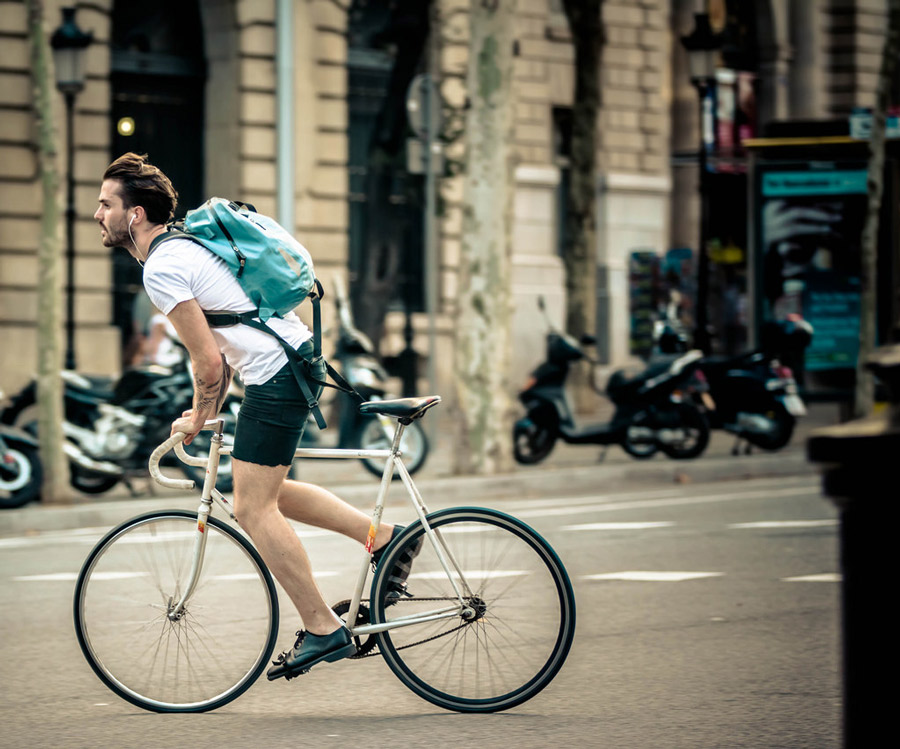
(413, 443)
(20, 475)
(780, 435)
(695, 433)
(91, 482)
(640, 450)
(532, 442)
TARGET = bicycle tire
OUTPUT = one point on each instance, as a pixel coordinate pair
(413, 444)
(204, 659)
(526, 605)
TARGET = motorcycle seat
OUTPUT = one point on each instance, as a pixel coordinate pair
(623, 378)
(403, 409)
(722, 363)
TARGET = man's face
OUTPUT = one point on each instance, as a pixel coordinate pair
(113, 217)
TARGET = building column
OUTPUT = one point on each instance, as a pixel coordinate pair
(632, 214)
(537, 268)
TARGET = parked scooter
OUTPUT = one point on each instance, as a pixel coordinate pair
(754, 395)
(21, 473)
(112, 426)
(356, 360)
(649, 413)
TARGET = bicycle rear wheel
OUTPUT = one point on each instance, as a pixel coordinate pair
(204, 658)
(523, 604)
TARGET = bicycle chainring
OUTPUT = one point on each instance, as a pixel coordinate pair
(363, 646)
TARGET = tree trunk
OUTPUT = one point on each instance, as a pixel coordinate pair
(864, 394)
(579, 244)
(49, 317)
(483, 346)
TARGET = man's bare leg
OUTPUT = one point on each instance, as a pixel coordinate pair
(256, 491)
(313, 505)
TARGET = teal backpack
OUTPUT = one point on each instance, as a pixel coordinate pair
(274, 270)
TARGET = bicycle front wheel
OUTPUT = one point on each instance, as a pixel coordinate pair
(199, 660)
(520, 618)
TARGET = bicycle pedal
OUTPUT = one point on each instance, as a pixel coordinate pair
(284, 673)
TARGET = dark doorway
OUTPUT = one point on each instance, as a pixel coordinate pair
(386, 39)
(158, 78)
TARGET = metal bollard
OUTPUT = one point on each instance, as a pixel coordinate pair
(860, 474)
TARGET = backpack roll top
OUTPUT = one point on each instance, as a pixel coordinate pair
(274, 269)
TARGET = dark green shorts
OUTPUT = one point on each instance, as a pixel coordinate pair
(272, 417)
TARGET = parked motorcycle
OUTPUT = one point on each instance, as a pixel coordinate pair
(356, 360)
(112, 426)
(21, 473)
(649, 413)
(754, 395)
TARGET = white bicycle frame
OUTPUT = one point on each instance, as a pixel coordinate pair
(393, 460)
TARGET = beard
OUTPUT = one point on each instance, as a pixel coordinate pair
(115, 237)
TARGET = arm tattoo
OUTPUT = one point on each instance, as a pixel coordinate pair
(206, 393)
(211, 394)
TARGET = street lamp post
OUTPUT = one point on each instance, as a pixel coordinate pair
(69, 44)
(702, 46)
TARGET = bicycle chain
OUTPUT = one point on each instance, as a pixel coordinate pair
(366, 652)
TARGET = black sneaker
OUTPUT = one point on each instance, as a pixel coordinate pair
(396, 581)
(310, 649)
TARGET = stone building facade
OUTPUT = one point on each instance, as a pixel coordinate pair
(816, 59)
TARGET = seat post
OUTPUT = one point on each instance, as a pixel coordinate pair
(395, 447)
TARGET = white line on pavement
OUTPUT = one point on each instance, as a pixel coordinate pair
(652, 576)
(825, 577)
(616, 526)
(828, 523)
(671, 501)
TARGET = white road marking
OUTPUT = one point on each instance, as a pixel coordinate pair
(90, 536)
(825, 577)
(645, 576)
(785, 524)
(670, 501)
(479, 574)
(616, 526)
(72, 576)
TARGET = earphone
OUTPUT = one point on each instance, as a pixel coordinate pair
(131, 236)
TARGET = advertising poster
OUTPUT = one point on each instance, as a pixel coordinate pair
(643, 292)
(810, 229)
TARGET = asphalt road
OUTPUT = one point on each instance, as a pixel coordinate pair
(707, 617)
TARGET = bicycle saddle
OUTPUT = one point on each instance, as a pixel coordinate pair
(404, 409)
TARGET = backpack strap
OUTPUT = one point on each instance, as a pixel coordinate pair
(159, 239)
(300, 366)
(172, 232)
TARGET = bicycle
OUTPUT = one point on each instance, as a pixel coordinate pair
(175, 611)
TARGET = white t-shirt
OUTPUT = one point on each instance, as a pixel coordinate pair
(179, 270)
(167, 354)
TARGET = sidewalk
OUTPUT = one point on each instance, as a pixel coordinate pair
(570, 470)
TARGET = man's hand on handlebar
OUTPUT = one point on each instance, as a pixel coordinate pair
(189, 425)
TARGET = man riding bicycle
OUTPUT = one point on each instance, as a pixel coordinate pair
(183, 279)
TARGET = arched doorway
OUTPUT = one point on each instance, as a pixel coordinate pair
(158, 75)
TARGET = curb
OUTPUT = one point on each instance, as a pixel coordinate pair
(538, 481)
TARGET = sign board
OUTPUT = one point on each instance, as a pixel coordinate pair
(423, 107)
(861, 124)
(809, 230)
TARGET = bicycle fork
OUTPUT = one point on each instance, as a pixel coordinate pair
(176, 611)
